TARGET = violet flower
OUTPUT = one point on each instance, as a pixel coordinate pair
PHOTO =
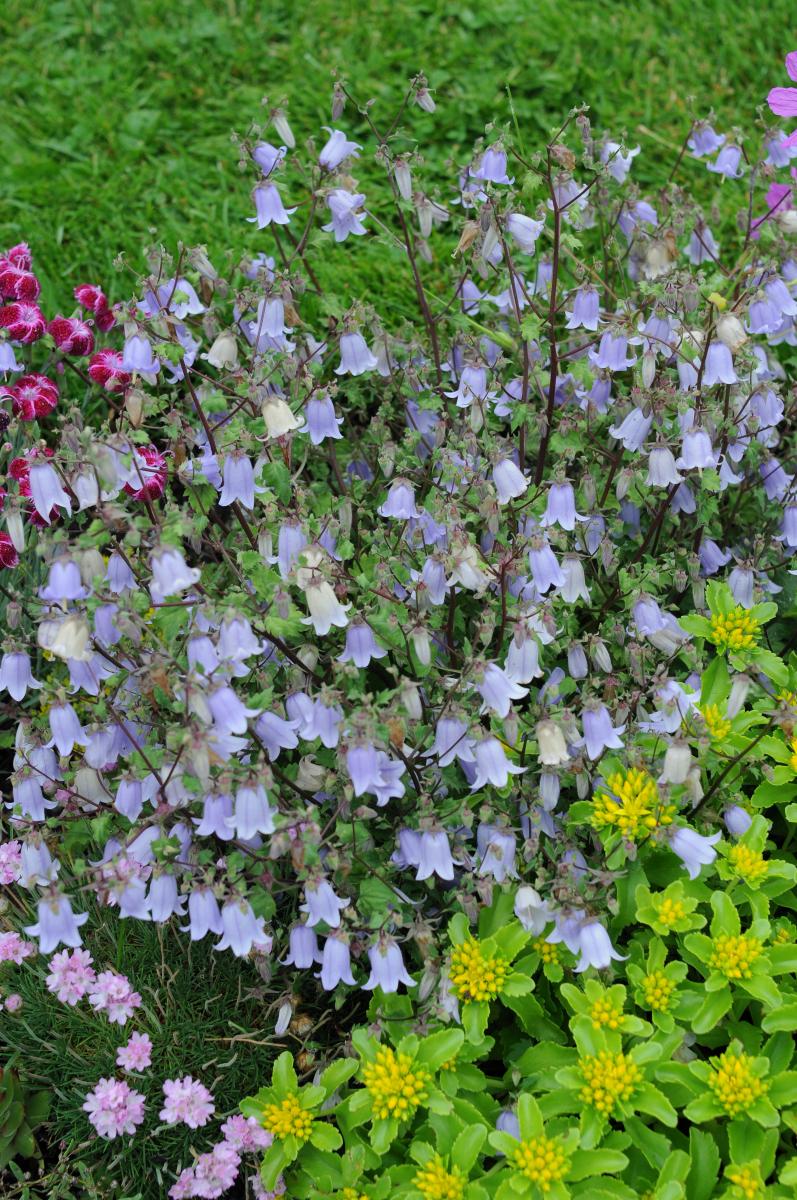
(387, 967)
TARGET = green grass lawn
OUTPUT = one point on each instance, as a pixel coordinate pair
(116, 116)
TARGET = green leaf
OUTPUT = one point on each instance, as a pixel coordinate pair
(440, 1047)
(474, 1020)
(586, 1163)
(712, 1010)
(337, 1073)
(278, 478)
(705, 1158)
(274, 1160)
(283, 1078)
(325, 1137)
(648, 1099)
(467, 1147)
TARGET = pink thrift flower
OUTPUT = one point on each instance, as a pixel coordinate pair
(10, 862)
(114, 1108)
(13, 1002)
(113, 995)
(136, 1055)
(187, 1100)
(259, 1192)
(212, 1174)
(71, 975)
(13, 948)
(244, 1133)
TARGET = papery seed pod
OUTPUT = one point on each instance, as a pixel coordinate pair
(424, 251)
(338, 102)
(16, 529)
(403, 177)
(423, 211)
(283, 128)
(423, 99)
(13, 614)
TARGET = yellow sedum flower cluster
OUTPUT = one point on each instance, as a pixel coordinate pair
(734, 1084)
(748, 1180)
(669, 911)
(434, 1182)
(396, 1088)
(606, 1013)
(608, 1080)
(748, 863)
(634, 809)
(475, 975)
(734, 954)
(717, 725)
(657, 990)
(542, 1160)
(287, 1118)
(734, 631)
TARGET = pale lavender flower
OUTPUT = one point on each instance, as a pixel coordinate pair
(523, 657)
(361, 645)
(727, 163)
(435, 855)
(139, 356)
(719, 366)
(697, 451)
(46, 490)
(355, 357)
(497, 848)
(594, 947)
(56, 924)
(451, 742)
(269, 208)
(509, 480)
(544, 567)
(63, 582)
(497, 689)
(585, 312)
(276, 734)
(321, 904)
(702, 246)
(66, 728)
(230, 714)
(253, 813)
(241, 929)
(347, 217)
(737, 820)
(119, 575)
(336, 149)
(560, 508)
(633, 429)
(204, 914)
(617, 163)
(387, 967)
(267, 156)
(216, 814)
(694, 850)
(303, 951)
(492, 166)
(612, 353)
(321, 420)
(16, 675)
(492, 764)
(400, 502)
(171, 575)
(239, 481)
(599, 733)
(712, 557)
(335, 963)
(163, 898)
(662, 471)
(703, 140)
(524, 230)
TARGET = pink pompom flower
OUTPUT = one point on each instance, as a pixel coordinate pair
(114, 1108)
(187, 1100)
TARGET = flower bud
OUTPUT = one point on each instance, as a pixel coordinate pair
(423, 211)
(731, 331)
(577, 664)
(338, 104)
(411, 699)
(552, 745)
(423, 99)
(600, 656)
(224, 351)
(403, 177)
(677, 763)
(738, 695)
(737, 820)
(421, 644)
(286, 1008)
(283, 128)
(16, 529)
(134, 407)
(310, 775)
